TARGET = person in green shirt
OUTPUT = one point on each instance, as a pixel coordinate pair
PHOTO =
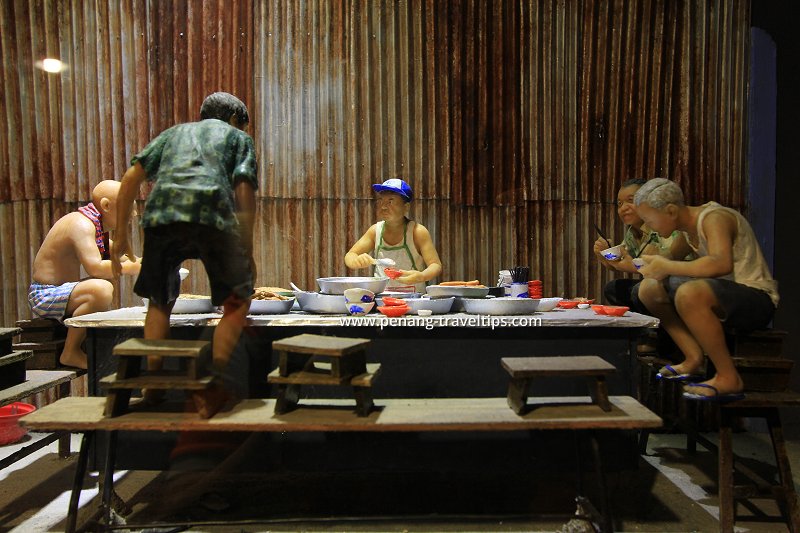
(201, 207)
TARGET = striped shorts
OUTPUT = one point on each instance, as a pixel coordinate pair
(50, 301)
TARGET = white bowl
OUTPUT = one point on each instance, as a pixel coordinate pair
(189, 305)
(358, 295)
(547, 304)
(271, 307)
(506, 305)
(436, 306)
(612, 254)
(359, 308)
(638, 263)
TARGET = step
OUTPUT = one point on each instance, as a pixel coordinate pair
(12, 368)
(567, 365)
(162, 347)
(320, 345)
(6, 336)
(41, 330)
(163, 380)
(46, 355)
(767, 374)
(320, 375)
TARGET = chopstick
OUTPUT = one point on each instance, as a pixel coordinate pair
(644, 246)
(600, 232)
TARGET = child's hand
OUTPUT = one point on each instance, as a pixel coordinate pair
(410, 277)
(363, 261)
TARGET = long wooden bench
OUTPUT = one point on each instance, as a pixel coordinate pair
(395, 415)
(37, 381)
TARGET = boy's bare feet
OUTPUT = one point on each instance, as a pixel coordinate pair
(75, 358)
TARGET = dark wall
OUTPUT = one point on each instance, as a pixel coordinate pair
(781, 24)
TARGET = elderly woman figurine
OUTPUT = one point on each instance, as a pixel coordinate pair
(727, 285)
(398, 238)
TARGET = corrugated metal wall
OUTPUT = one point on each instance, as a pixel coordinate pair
(515, 122)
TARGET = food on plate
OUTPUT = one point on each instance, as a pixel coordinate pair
(473, 283)
(583, 300)
(268, 293)
(193, 297)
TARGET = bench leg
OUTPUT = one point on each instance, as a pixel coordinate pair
(608, 523)
(117, 401)
(288, 396)
(77, 485)
(600, 390)
(364, 401)
(517, 394)
(727, 510)
(784, 470)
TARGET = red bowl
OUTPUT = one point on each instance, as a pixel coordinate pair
(10, 430)
(615, 310)
(392, 273)
(394, 310)
(388, 301)
(599, 309)
(568, 304)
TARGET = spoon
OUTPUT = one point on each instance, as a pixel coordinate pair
(384, 262)
(295, 287)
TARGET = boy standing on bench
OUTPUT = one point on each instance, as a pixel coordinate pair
(728, 283)
(201, 207)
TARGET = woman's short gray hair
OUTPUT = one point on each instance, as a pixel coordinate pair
(659, 193)
(223, 106)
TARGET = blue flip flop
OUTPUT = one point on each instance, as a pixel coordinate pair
(676, 376)
(716, 397)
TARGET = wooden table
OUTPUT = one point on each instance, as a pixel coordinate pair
(394, 415)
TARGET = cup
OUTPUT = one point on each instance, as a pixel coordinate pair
(519, 290)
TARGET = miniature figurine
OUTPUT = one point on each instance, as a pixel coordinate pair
(78, 239)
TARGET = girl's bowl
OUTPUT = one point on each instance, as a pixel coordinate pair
(394, 310)
(615, 310)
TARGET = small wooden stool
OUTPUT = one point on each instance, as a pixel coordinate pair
(195, 355)
(762, 405)
(344, 362)
(523, 369)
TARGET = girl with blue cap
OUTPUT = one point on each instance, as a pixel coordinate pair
(398, 238)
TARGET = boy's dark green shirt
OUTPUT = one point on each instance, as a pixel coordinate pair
(195, 167)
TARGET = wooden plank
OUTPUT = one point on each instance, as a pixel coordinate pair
(581, 365)
(7, 333)
(765, 399)
(320, 344)
(440, 414)
(164, 380)
(15, 357)
(36, 381)
(162, 347)
(320, 375)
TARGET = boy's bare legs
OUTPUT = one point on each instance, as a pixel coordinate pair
(89, 296)
(228, 330)
(696, 302)
(156, 326)
(654, 296)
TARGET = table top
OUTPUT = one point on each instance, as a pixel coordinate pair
(392, 415)
(128, 317)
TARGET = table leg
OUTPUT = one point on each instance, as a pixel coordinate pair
(517, 394)
(784, 470)
(288, 396)
(65, 436)
(600, 391)
(108, 478)
(80, 471)
(608, 523)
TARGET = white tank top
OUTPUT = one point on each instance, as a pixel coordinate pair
(749, 266)
(405, 256)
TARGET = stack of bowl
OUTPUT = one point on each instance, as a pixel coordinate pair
(359, 301)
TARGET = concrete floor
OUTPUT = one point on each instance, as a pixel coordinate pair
(670, 490)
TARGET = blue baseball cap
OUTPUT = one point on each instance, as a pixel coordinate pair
(397, 186)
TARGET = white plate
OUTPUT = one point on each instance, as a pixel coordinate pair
(439, 291)
(547, 304)
(189, 305)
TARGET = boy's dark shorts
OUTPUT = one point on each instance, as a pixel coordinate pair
(166, 247)
(743, 308)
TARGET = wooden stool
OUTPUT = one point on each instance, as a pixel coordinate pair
(319, 360)
(45, 337)
(763, 405)
(523, 369)
(195, 355)
(12, 362)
